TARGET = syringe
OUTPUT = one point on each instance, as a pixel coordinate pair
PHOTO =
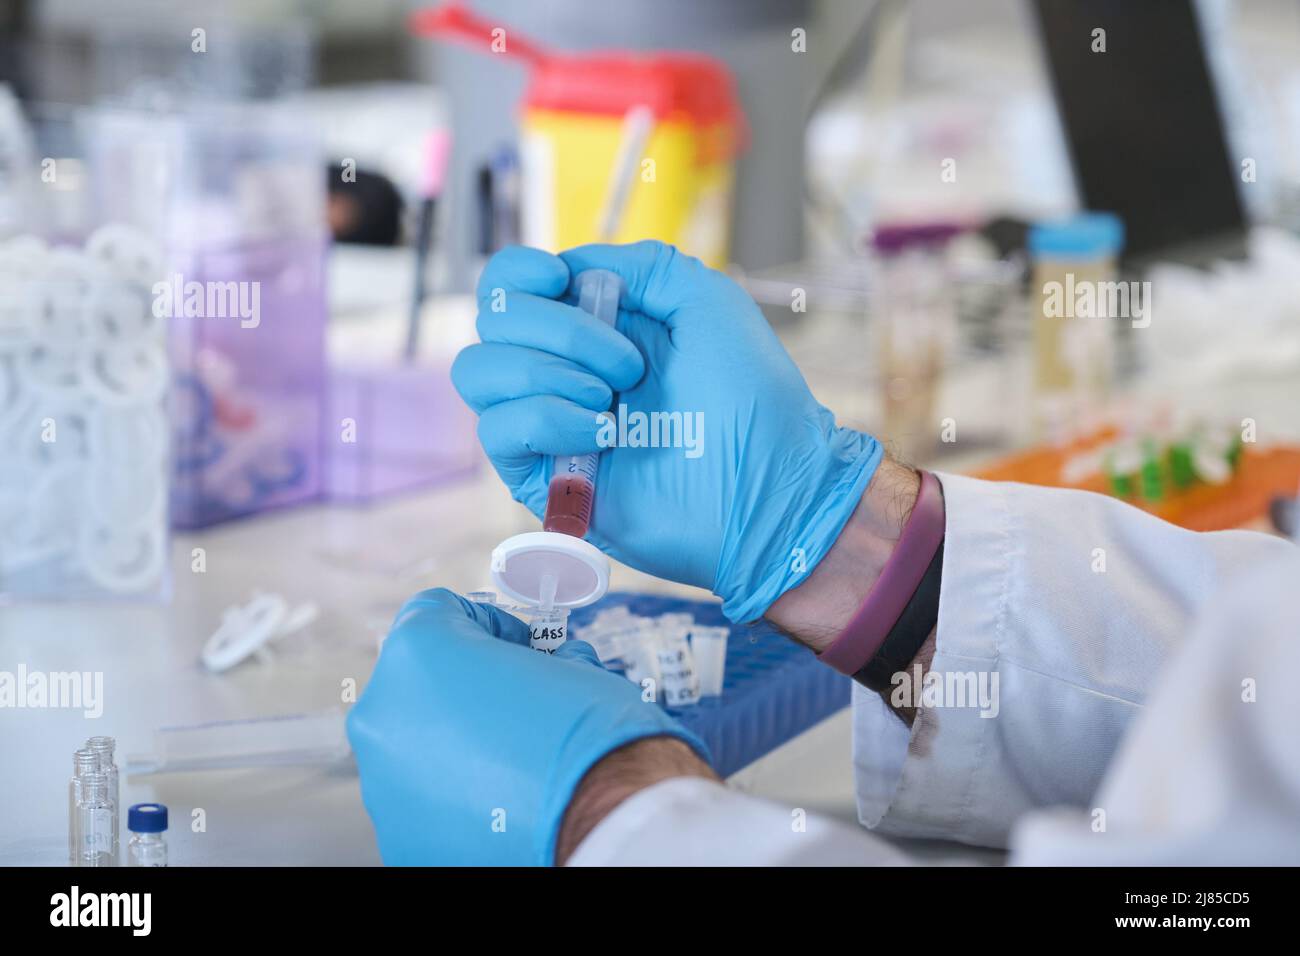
(571, 496)
(551, 571)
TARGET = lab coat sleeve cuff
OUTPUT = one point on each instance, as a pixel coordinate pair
(1057, 610)
(933, 780)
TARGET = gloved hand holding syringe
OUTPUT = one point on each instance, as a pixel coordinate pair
(554, 570)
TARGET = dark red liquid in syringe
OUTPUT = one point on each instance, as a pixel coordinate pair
(568, 505)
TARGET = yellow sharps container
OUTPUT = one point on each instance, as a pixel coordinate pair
(618, 147)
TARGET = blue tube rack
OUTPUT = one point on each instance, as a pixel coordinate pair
(773, 689)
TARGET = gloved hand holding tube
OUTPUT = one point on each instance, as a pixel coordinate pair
(470, 745)
(461, 720)
(759, 481)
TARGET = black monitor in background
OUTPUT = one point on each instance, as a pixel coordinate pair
(1144, 127)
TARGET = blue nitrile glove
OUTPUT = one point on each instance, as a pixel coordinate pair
(470, 744)
(775, 479)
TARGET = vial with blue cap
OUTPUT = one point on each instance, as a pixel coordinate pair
(147, 823)
(1077, 303)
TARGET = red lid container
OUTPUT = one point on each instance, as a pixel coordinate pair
(686, 87)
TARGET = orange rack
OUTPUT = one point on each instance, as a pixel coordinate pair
(1262, 474)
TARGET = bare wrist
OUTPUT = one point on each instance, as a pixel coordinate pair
(617, 776)
(816, 611)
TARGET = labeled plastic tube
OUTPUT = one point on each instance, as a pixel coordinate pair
(571, 496)
(641, 655)
(612, 634)
(709, 648)
(548, 626)
(547, 630)
(681, 684)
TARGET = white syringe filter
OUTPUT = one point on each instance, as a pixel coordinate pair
(580, 570)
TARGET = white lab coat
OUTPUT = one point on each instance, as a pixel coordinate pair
(1146, 713)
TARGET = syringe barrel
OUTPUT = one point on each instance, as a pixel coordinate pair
(572, 493)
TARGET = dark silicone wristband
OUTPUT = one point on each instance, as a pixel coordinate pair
(913, 627)
(898, 583)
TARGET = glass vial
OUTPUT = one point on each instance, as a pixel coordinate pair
(103, 748)
(84, 761)
(94, 822)
(147, 846)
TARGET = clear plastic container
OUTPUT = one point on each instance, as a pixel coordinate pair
(250, 386)
(236, 192)
(913, 321)
(1075, 263)
(410, 430)
(83, 389)
(247, 417)
(312, 738)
